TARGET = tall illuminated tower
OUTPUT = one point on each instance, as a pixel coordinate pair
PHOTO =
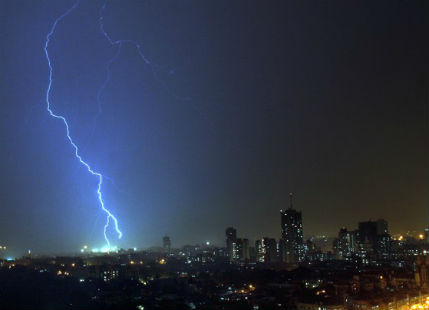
(292, 235)
(231, 242)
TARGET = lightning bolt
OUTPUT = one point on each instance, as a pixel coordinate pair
(120, 43)
(99, 176)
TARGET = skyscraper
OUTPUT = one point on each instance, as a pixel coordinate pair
(242, 249)
(368, 232)
(292, 234)
(382, 227)
(266, 250)
(345, 246)
(374, 239)
(259, 249)
(231, 243)
(166, 244)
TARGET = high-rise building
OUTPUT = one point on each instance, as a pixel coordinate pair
(266, 250)
(382, 227)
(270, 246)
(242, 250)
(345, 246)
(374, 239)
(281, 250)
(383, 246)
(368, 232)
(259, 249)
(313, 253)
(237, 248)
(252, 254)
(166, 244)
(231, 243)
(292, 249)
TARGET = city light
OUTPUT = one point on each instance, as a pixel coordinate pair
(105, 249)
(421, 306)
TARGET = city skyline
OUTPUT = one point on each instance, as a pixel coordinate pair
(293, 253)
(218, 241)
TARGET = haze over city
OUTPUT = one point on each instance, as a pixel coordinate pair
(240, 105)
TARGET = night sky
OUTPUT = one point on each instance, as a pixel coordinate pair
(244, 102)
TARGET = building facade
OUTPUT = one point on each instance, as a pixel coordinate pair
(292, 249)
(166, 244)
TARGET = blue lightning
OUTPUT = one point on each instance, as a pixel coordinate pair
(110, 216)
(101, 90)
(120, 43)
